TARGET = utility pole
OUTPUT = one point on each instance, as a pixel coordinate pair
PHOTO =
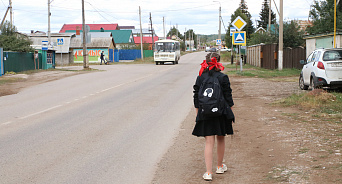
(280, 51)
(85, 53)
(177, 30)
(11, 13)
(141, 37)
(269, 17)
(335, 23)
(219, 35)
(49, 29)
(152, 31)
(185, 40)
(189, 40)
(164, 28)
(192, 38)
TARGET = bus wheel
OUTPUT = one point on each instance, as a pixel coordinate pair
(173, 62)
(156, 62)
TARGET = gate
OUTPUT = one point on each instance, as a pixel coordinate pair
(266, 56)
(129, 54)
(111, 55)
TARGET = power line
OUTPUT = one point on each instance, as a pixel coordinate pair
(3, 3)
(98, 12)
(185, 8)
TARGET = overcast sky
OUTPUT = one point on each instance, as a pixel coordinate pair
(199, 15)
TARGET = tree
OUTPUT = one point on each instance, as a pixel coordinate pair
(249, 27)
(11, 41)
(293, 36)
(322, 15)
(264, 15)
(189, 32)
(228, 38)
(174, 31)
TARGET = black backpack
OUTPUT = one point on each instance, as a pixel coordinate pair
(210, 96)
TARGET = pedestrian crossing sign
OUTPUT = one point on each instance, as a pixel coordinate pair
(239, 38)
(60, 41)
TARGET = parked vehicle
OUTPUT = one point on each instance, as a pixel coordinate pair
(213, 49)
(323, 68)
(225, 49)
(207, 49)
(194, 49)
(167, 51)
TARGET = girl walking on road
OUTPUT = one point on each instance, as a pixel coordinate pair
(218, 121)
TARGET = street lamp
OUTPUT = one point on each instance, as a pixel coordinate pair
(219, 33)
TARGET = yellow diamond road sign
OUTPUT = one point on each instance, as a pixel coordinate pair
(239, 23)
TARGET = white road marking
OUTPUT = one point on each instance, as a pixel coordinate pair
(40, 112)
(76, 99)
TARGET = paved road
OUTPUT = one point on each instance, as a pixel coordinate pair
(111, 126)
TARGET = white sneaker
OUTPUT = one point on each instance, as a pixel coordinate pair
(222, 169)
(207, 176)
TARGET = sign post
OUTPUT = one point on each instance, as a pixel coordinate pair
(239, 37)
(60, 43)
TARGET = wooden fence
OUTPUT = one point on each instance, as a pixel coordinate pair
(266, 56)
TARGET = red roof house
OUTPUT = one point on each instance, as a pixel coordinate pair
(92, 27)
(147, 40)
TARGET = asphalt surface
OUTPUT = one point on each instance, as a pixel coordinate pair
(111, 126)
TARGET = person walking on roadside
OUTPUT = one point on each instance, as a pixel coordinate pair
(102, 58)
(209, 124)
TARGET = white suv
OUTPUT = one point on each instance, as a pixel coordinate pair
(323, 68)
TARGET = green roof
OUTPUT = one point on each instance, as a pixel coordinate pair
(122, 36)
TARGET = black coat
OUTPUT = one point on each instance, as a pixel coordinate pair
(227, 93)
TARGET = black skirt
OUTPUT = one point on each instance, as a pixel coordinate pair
(220, 126)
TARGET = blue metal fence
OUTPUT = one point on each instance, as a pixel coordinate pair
(111, 55)
(129, 54)
(116, 55)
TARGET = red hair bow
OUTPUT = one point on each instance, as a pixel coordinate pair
(212, 64)
(215, 64)
(204, 65)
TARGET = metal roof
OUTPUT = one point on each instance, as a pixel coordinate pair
(37, 39)
(92, 27)
(95, 43)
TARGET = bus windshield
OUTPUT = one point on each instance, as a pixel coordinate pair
(165, 47)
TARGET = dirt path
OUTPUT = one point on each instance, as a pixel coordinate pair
(271, 144)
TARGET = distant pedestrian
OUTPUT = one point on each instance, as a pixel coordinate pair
(213, 125)
(102, 57)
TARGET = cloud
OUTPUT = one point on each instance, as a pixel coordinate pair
(199, 15)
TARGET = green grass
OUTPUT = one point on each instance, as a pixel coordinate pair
(9, 80)
(303, 150)
(327, 106)
(252, 71)
(147, 60)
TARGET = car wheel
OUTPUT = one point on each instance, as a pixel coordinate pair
(312, 85)
(302, 86)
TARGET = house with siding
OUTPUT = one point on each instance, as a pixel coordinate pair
(123, 38)
(100, 41)
(63, 55)
(146, 40)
